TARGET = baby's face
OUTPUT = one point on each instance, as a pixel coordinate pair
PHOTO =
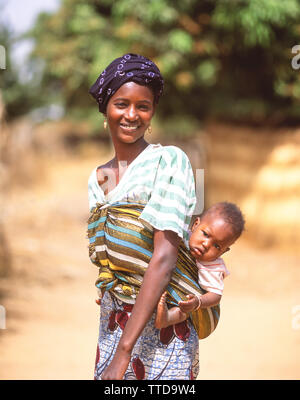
(211, 237)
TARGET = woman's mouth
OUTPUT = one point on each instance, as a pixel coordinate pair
(129, 127)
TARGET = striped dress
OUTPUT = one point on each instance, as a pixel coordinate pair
(161, 178)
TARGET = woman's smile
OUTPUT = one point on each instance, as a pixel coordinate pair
(129, 127)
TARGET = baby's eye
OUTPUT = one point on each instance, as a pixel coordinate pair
(205, 234)
(217, 246)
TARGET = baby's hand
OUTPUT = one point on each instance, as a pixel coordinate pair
(189, 305)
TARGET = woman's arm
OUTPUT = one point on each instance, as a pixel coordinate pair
(156, 279)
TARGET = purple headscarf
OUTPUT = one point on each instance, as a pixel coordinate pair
(128, 68)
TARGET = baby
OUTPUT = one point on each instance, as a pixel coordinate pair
(211, 236)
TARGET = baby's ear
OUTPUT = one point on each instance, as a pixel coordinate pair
(228, 248)
(196, 223)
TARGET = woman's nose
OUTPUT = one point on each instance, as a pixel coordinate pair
(131, 113)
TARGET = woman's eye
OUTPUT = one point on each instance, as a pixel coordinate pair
(120, 105)
(205, 234)
(144, 108)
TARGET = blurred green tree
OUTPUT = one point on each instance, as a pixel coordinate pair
(220, 58)
(19, 97)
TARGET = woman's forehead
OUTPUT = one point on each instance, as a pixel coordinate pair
(132, 88)
(134, 92)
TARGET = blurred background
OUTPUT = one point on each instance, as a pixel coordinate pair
(231, 102)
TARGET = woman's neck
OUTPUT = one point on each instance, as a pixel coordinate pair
(126, 153)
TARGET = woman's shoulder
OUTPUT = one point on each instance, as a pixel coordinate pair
(172, 154)
(97, 172)
(171, 149)
(93, 175)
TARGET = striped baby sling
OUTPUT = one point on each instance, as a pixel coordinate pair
(121, 246)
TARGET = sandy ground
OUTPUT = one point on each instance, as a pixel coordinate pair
(52, 320)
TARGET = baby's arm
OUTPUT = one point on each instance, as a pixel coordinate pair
(194, 302)
(209, 299)
(166, 317)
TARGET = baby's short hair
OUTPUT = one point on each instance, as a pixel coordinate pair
(231, 214)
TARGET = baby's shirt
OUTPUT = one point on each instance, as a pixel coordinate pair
(211, 275)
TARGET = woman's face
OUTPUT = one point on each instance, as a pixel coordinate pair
(129, 112)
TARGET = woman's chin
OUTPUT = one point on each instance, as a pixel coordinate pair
(129, 138)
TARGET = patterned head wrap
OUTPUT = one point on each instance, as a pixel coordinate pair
(128, 68)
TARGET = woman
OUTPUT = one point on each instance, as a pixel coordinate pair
(161, 178)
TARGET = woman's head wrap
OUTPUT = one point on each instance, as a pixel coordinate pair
(128, 68)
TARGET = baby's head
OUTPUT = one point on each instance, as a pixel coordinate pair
(215, 231)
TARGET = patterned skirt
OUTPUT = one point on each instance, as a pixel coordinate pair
(170, 353)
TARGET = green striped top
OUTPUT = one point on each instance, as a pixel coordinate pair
(160, 177)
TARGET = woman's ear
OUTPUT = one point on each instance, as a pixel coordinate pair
(154, 109)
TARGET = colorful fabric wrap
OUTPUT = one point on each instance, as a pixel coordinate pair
(121, 247)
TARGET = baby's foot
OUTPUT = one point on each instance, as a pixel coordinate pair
(161, 320)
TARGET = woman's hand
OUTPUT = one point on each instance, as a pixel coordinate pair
(118, 366)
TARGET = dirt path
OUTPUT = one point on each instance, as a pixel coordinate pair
(52, 323)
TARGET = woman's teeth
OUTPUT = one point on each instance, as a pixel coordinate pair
(129, 127)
